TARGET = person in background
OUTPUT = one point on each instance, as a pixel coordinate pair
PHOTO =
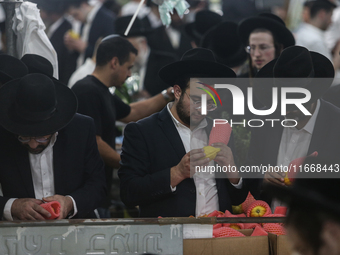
(264, 37)
(96, 22)
(114, 61)
(52, 13)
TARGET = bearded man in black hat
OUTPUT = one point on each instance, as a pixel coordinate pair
(277, 145)
(157, 156)
(47, 152)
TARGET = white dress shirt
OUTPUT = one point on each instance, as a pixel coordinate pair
(295, 143)
(206, 191)
(42, 175)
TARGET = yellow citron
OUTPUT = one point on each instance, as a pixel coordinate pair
(236, 209)
(287, 181)
(210, 152)
(235, 227)
(73, 34)
(258, 211)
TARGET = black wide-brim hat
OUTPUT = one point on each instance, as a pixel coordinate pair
(36, 105)
(223, 40)
(38, 64)
(198, 61)
(139, 27)
(11, 68)
(322, 193)
(270, 22)
(204, 20)
(298, 67)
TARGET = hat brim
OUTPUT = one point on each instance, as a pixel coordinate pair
(171, 72)
(281, 33)
(323, 68)
(65, 110)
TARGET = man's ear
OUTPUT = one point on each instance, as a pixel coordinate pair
(177, 91)
(330, 236)
(114, 62)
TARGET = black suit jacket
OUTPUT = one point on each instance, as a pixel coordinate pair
(150, 148)
(67, 61)
(152, 82)
(102, 26)
(78, 168)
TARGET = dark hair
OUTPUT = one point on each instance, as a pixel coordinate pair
(278, 48)
(317, 6)
(111, 47)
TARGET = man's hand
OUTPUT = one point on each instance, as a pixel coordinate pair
(225, 157)
(66, 204)
(273, 177)
(28, 209)
(74, 44)
(186, 167)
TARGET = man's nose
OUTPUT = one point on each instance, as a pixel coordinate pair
(33, 144)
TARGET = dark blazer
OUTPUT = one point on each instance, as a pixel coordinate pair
(152, 82)
(67, 61)
(159, 40)
(150, 148)
(78, 168)
(102, 26)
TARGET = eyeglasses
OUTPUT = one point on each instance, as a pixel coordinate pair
(262, 48)
(198, 104)
(39, 139)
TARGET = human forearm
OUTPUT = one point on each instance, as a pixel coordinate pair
(110, 157)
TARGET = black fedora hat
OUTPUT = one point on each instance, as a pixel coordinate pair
(204, 20)
(223, 40)
(322, 193)
(270, 22)
(295, 62)
(139, 28)
(36, 105)
(38, 64)
(11, 68)
(310, 3)
(196, 61)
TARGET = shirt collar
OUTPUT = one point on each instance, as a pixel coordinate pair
(178, 124)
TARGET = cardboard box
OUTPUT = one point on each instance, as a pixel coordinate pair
(279, 245)
(254, 245)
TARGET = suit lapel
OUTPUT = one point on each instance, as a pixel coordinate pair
(273, 143)
(171, 133)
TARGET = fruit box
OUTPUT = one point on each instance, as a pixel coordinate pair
(278, 245)
(255, 245)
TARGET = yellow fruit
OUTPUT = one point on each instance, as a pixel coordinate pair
(210, 152)
(258, 211)
(73, 34)
(237, 209)
(235, 227)
(287, 181)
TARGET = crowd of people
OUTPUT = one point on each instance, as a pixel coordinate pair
(58, 136)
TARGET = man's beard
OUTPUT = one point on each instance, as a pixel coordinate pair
(181, 113)
(39, 149)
